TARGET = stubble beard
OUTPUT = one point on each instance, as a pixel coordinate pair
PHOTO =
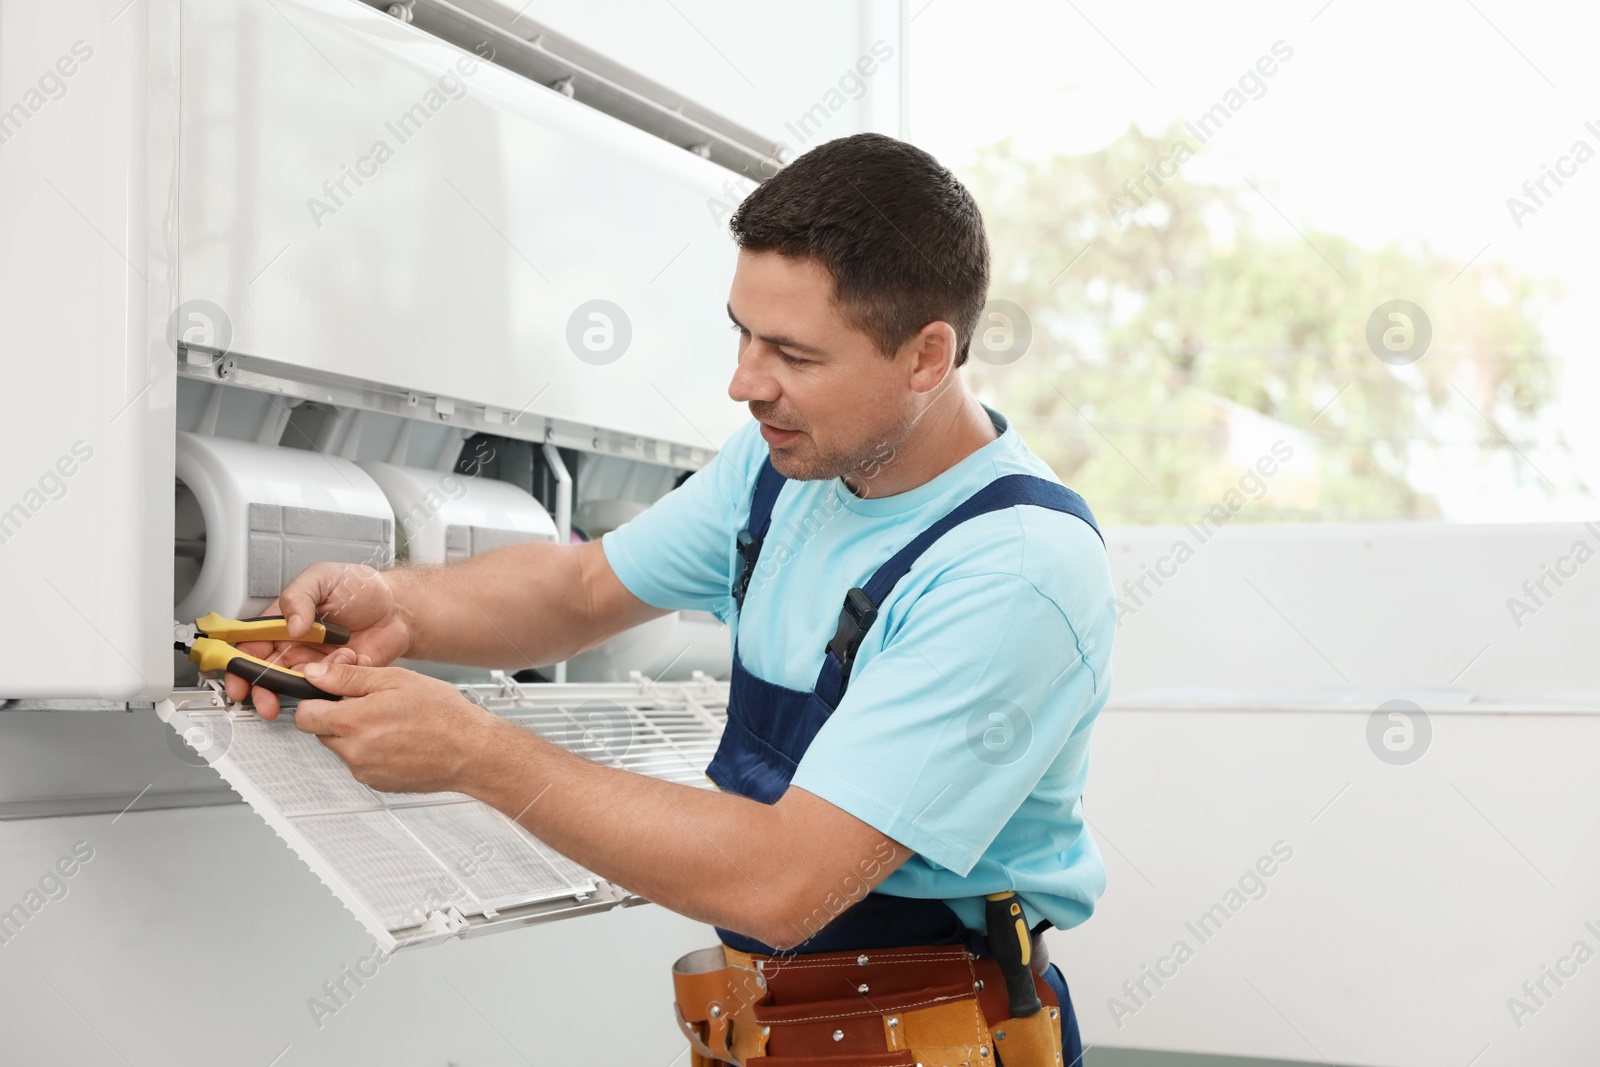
(805, 461)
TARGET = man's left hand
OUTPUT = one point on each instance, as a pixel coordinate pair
(399, 731)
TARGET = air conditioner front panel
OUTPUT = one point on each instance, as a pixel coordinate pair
(361, 199)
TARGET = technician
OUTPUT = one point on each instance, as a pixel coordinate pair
(922, 639)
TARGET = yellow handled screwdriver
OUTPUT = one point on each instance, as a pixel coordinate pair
(209, 642)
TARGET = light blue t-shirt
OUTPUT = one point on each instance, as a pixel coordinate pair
(964, 733)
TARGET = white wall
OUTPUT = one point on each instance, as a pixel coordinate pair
(1376, 607)
(1420, 895)
(196, 938)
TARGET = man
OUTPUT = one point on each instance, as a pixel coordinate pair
(886, 766)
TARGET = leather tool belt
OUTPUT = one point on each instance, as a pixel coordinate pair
(935, 1006)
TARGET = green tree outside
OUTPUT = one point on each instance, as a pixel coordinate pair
(1176, 335)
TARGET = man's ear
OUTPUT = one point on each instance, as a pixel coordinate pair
(933, 354)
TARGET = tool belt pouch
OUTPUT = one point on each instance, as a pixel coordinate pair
(710, 994)
(898, 1007)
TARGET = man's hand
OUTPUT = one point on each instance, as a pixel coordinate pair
(400, 731)
(356, 596)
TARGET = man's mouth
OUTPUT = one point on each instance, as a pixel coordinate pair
(774, 435)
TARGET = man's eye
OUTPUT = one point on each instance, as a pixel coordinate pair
(793, 361)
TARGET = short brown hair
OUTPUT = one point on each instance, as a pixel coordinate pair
(901, 236)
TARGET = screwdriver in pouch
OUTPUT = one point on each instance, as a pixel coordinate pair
(1013, 951)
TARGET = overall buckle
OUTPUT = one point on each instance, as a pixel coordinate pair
(749, 552)
(855, 619)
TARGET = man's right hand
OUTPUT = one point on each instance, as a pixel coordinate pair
(351, 594)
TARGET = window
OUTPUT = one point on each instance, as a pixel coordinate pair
(1333, 260)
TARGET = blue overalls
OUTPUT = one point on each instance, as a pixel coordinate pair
(770, 727)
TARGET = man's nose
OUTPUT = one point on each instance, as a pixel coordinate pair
(750, 382)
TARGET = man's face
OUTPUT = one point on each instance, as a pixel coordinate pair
(829, 402)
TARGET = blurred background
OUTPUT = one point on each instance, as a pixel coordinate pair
(1363, 153)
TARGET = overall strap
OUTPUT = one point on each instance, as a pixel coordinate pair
(861, 603)
(768, 484)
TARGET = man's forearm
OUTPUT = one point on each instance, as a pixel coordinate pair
(518, 606)
(711, 856)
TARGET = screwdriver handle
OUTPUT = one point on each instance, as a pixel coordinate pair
(211, 654)
(1013, 951)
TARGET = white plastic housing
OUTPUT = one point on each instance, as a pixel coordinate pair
(227, 476)
(364, 200)
(84, 557)
(427, 504)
